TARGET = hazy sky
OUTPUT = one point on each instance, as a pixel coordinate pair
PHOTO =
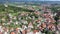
(34, 0)
(30, 0)
(52, 0)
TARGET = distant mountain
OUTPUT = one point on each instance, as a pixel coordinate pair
(37, 2)
(29, 1)
(2, 1)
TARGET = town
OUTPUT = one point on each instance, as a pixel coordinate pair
(29, 19)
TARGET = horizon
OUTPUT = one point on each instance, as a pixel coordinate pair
(38, 1)
(33, 0)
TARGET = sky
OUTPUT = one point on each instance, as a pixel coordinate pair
(28, 0)
(33, 0)
(37, 0)
(51, 0)
(4, 1)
